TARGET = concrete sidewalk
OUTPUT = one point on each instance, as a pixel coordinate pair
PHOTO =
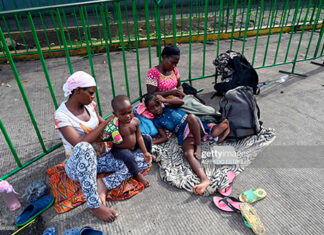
(290, 169)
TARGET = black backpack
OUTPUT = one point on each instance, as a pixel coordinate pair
(244, 75)
(189, 90)
(239, 107)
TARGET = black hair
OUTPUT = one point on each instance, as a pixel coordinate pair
(117, 100)
(148, 99)
(170, 50)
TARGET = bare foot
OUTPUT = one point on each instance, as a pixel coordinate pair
(140, 177)
(153, 158)
(201, 188)
(198, 152)
(104, 213)
(220, 128)
(223, 135)
(102, 190)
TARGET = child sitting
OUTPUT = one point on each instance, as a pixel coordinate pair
(189, 130)
(126, 134)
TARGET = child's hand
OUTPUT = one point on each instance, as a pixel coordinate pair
(147, 157)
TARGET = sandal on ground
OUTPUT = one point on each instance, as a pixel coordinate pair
(50, 231)
(229, 204)
(245, 222)
(227, 191)
(252, 218)
(34, 209)
(87, 230)
(252, 195)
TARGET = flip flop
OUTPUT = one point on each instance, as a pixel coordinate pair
(245, 222)
(87, 230)
(227, 191)
(252, 195)
(50, 231)
(34, 209)
(252, 218)
(229, 204)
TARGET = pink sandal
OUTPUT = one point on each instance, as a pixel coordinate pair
(227, 191)
(229, 204)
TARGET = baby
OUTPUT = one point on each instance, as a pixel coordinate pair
(189, 130)
(126, 134)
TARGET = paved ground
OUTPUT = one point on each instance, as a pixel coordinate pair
(290, 169)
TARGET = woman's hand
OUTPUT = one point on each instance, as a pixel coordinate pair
(178, 92)
(160, 98)
(73, 137)
(175, 101)
(175, 92)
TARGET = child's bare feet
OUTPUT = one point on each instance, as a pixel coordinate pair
(102, 190)
(140, 177)
(220, 128)
(147, 157)
(223, 135)
(198, 152)
(201, 188)
(104, 213)
(153, 158)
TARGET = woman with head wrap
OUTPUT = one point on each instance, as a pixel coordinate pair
(79, 127)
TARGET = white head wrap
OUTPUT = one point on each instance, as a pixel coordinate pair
(78, 79)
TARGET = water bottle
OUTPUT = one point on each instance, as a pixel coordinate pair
(282, 79)
(9, 196)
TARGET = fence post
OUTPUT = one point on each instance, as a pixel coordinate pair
(104, 24)
(21, 88)
(121, 38)
(85, 32)
(59, 20)
(158, 29)
(12, 149)
(41, 57)
(148, 31)
(136, 46)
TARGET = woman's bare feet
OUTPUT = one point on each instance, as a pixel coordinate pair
(140, 177)
(102, 190)
(201, 188)
(198, 152)
(104, 213)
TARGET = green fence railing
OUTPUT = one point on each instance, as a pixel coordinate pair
(208, 17)
(103, 26)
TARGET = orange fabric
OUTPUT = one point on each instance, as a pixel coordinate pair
(68, 193)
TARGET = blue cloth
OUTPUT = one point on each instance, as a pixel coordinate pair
(146, 125)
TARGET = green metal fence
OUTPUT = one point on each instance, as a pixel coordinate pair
(106, 25)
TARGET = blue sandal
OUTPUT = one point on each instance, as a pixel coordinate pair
(87, 230)
(34, 209)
